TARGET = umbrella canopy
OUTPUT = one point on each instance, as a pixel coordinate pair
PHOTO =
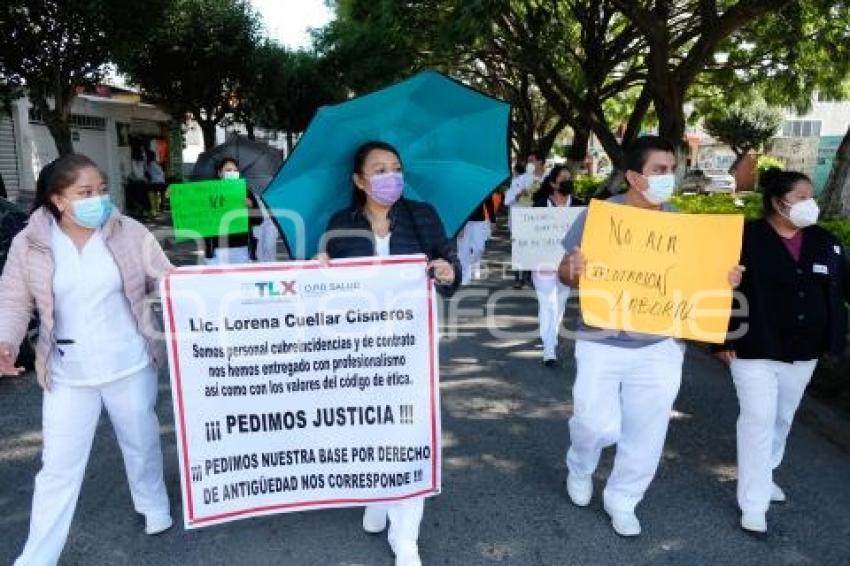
(258, 162)
(452, 139)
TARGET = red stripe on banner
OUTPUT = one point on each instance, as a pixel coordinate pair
(285, 267)
(432, 385)
(179, 384)
(231, 514)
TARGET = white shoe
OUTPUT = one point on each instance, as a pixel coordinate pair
(155, 524)
(406, 554)
(625, 523)
(580, 489)
(753, 522)
(374, 519)
(776, 494)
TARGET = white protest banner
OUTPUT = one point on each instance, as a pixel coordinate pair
(536, 235)
(297, 386)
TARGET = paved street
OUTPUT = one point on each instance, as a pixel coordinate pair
(505, 434)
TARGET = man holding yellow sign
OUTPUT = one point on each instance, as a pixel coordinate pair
(645, 279)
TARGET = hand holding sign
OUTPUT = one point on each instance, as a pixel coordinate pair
(660, 273)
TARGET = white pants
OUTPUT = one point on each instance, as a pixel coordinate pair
(769, 393)
(229, 256)
(623, 396)
(405, 517)
(470, 247)
(266, 234)
(69, 420)
(552, 298)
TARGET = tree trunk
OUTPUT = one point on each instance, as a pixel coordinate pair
(249, 127)
(612, 184)
(290, 143)
(57, 122)
(836, 194)
(547, 140)
(208, 130)
(578, 150)
(739, 157)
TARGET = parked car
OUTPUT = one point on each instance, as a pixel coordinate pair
(719, 182)
(709, 181)
(13, 219)
(695, 181)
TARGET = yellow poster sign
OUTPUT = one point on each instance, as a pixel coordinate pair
(657, 272)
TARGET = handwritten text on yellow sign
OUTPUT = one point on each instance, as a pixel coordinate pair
(658, 272)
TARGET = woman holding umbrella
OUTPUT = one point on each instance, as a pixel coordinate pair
(380, 222)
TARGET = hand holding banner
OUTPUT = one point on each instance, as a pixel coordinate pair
(658, 272)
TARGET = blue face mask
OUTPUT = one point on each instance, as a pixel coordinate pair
(92, 212)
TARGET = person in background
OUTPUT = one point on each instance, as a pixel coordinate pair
(88, 271)
(473, 237)
(266, 235)
(156, 178)
(380, 222)
(233, 248)
(555, 191)
(796, 287)
(521, 193)
(626, 382)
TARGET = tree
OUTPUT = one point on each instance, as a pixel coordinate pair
(373, 44)
(744, 129)
(195, 59)
(303, 84)
(682, 38)
(787, 57)
(54, 48)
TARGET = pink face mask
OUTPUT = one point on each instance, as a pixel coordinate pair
(387, 188)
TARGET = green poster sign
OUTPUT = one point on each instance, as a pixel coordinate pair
(209, 208)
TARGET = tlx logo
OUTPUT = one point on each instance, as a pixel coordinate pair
(275, 288)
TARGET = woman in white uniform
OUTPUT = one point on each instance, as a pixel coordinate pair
(88, 270)
(556, 190)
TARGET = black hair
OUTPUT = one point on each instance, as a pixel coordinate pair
(538, 155)
(546, 188)
(776, 183)
(57, 176)
(358, 197)
(519, 168)
(224, 161)
(638, 151)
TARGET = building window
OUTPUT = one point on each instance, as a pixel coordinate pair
(81, 121)
(801, 128)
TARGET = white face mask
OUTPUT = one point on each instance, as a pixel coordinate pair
(803, 213)
(660, 188)
(529, 168)
(230, 175)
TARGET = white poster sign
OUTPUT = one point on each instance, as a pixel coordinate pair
(297, 386)
(536, 235)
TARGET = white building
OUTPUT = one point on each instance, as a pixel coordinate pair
(104, 126)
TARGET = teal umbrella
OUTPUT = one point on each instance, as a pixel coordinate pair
(452, 139)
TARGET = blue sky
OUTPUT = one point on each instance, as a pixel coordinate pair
(288, 21)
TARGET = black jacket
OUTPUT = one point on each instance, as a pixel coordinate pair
(415, 229)
(541, 200)
(797, 309)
